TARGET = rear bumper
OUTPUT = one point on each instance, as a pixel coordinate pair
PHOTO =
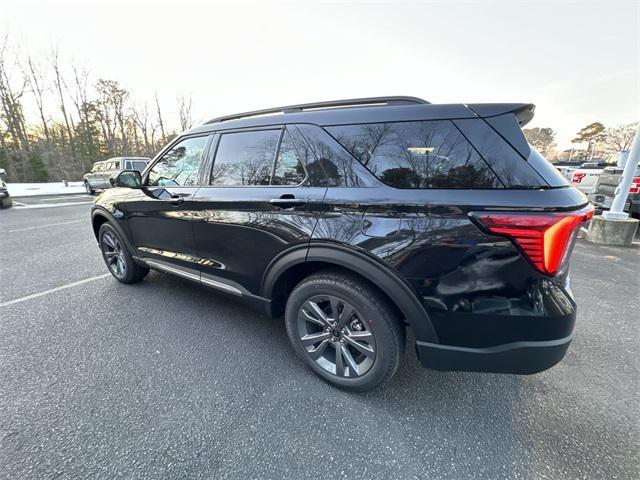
(518, 357)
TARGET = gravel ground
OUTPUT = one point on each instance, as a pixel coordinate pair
(165, 379)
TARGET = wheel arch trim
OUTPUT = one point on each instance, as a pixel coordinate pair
(102, 212)
(401, 294)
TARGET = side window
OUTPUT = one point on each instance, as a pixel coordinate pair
(138, 165)
(288, 170)
(426, 154)
(245, 158)
(178, 167)
(116, 165)
(331, 164)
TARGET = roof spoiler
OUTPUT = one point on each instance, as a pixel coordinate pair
(523, 111)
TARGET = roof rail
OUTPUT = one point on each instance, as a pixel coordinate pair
(351, 103)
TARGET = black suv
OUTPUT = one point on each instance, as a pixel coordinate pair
(358, 218)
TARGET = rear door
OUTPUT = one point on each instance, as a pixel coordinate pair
(260, 201)
(161, 214)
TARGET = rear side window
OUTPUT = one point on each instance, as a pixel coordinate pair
(288, 169)
(513, 170)
(426, 154)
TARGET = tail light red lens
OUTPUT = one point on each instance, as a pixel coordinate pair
(635, 185)
(578, 176)
(544, 238)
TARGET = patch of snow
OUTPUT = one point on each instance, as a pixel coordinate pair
(53, 188)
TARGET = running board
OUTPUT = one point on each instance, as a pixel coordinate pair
(196, 277)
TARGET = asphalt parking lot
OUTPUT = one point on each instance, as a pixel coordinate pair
(164, 379)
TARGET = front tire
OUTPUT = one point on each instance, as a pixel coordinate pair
(88, 188)
(344, 330)
(117, 258)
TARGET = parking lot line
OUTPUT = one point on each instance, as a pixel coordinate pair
(51, 205)
(52, 290)
(43, 226)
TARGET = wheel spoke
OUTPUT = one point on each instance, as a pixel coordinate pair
(339, 360)
(320, 316)
(319, 350)
(351, 363)
(109, 241)
(110, 255)
(335, 304)
(120, 265)
(345, 315)
(361, 347)
(313, 338)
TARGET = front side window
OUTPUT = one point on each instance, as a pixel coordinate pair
(245, 158)
(179, 166)
(425, 154)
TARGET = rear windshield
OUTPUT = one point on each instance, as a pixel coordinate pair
(424, 154)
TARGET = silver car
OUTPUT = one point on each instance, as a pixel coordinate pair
(98, 177)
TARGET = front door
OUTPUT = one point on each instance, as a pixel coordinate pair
(160, 215)
(259, 203)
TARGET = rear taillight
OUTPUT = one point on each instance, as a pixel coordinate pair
(578, 176)
(635, 185)
(542, 237)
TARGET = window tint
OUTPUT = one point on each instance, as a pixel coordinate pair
(428, 154)
(245, 158)
(508, 164)
(331, 164)
(179, 166)
(289, 170)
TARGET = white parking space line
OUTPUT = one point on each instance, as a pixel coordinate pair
(53, 290)
(51, 205)
(44, 226)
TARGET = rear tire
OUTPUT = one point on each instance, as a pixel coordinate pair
(344, 330)
(117, 258)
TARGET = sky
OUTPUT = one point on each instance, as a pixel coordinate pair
(579, 62)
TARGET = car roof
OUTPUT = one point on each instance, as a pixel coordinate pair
(345, 112)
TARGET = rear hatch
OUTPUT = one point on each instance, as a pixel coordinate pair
(543, 227)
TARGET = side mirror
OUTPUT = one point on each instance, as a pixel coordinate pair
(127, 179)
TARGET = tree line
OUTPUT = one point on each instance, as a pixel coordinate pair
(80, 120)
(595, 142)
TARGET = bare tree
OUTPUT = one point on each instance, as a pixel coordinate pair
(37, 83)
(160, 122)
(58, 84)
(185, 112)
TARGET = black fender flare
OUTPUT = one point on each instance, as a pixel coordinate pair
(109, 217)
(381, 275)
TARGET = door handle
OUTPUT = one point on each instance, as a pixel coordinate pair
(288, 200)
(176, 199)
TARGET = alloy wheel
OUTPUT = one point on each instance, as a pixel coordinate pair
(336, 336)
(113, 254)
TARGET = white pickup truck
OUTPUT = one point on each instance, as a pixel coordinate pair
(585, 177)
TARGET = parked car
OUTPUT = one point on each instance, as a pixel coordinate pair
(566, 168)
(5, 197)
(604, 191)
(585, 177)
(99, 176)
(356, 219)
